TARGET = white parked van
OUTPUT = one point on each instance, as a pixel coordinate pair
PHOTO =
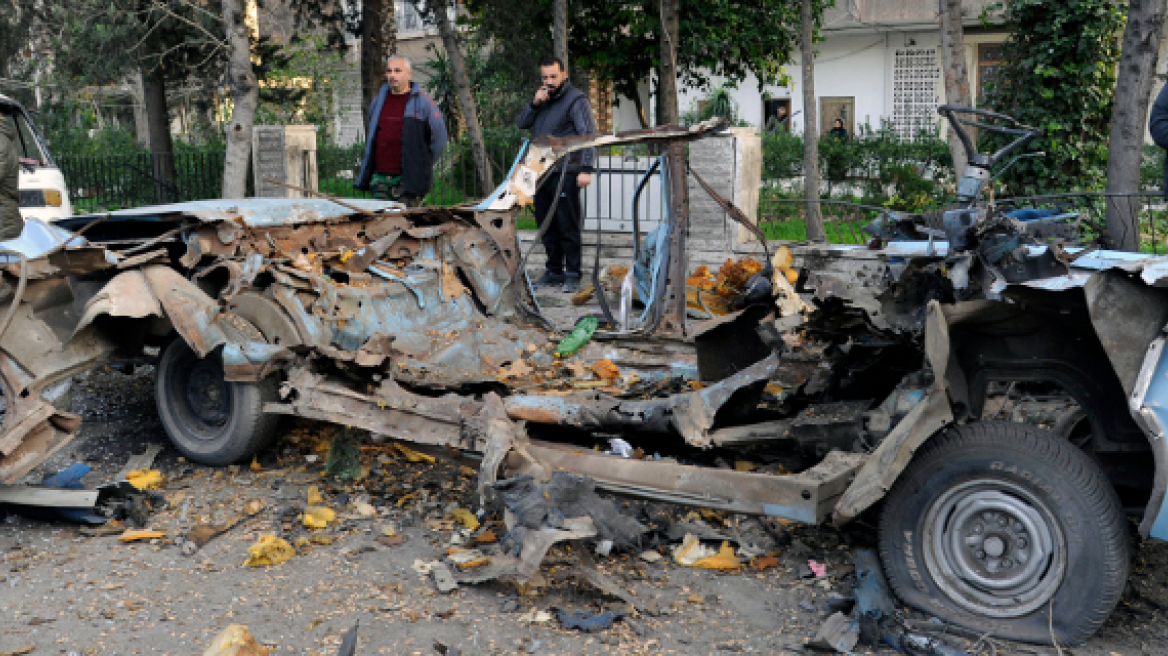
(43, 193)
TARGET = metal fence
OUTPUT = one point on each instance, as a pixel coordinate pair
(455, 178)
(110, 182)
(608, 199)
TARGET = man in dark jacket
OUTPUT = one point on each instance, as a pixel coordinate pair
(560, 110)
(405, 136)
(11, 224)
(1158, 126)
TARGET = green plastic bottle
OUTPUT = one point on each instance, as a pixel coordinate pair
(579, 337)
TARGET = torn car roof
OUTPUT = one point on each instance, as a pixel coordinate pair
(253, 212)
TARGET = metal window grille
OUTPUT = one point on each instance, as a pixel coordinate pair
(915, 98)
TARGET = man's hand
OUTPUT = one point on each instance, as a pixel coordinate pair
(583, 180)
(541, 96)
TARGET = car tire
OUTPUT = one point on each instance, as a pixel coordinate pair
(210, 420)
(996, 526)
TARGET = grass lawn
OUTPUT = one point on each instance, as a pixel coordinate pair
(838, 232)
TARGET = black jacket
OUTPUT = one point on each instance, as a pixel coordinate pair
(1158, 126)
(565, 114)
(423, 140)
(10, 222)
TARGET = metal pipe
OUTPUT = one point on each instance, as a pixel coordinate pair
(636, 202)
(19, 295)
(547, 220)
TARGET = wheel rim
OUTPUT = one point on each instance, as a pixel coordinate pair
(207, 394)
(202, 396)
(994, 548)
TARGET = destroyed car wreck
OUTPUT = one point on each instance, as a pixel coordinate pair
(845, 380)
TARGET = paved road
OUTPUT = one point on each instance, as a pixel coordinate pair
(64, 593)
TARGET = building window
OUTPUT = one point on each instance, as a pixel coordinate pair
(915, 75)
(989, 64)
(408, 19)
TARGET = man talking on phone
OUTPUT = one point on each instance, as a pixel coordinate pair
(560, 110)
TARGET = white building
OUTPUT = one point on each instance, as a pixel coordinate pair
(880, 61)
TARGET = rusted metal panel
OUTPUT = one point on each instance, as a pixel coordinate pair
(883, 466)
(268, 317)
(689, 415)
(191, 311)
(37, 442)
(252, 361)
(390, 411)
(37, 351)
(127, 295)
(258, 212)
(807, 497)
(526, 176)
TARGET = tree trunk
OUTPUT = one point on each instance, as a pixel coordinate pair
(1133, 86)
(560, 31)
(161, 146)
(245, 93)
(388, 32)
(466, 101)
(141, 124)
(667, 109)
(956, 76)
(810, 129)
(373, 51)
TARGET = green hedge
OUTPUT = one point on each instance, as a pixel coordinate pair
(912, 174)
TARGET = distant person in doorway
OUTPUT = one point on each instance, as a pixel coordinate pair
(560, 110)
(780, 120)
(838, 131)
(404, 137)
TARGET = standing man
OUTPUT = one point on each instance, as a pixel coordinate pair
(404, 138)
(560, 110)
(1158, 126)
(11, 225)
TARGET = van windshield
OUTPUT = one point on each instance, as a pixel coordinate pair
(27, 144)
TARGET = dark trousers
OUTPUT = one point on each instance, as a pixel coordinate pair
(11, 224)
(562, 239)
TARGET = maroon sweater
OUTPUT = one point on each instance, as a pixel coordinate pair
(387, 154)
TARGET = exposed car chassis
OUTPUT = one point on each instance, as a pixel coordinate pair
(418, 324)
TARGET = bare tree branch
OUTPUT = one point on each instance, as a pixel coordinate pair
(168, 11)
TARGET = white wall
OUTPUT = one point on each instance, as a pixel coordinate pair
(859, 66)
(855, 65)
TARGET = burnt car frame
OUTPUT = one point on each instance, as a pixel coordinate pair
(418, 324)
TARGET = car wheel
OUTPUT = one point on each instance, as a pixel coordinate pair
(210, 420)
(1004, 528)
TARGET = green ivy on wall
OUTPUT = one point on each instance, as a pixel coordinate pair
(1058, 75)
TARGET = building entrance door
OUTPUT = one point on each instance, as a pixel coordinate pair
(841, 107)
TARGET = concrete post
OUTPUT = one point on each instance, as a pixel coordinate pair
(731, 163)
(287, 154)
